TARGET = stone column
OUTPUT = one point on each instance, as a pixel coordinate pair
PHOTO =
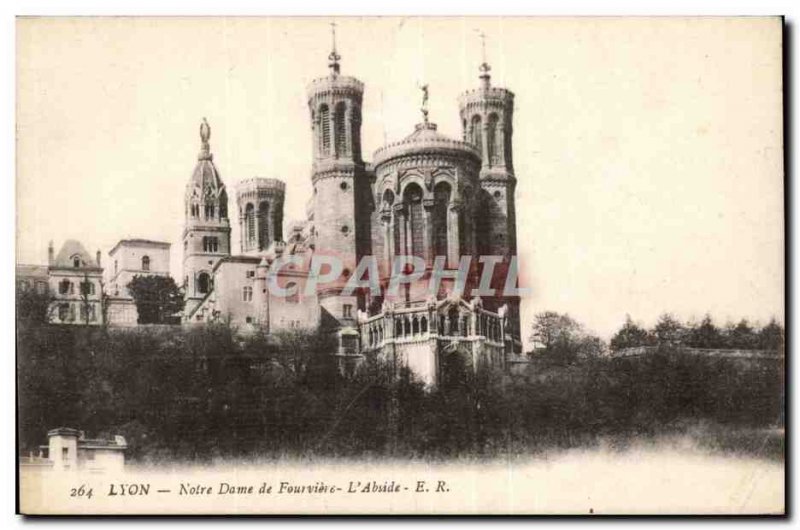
(242, 230)
(348, 127)
(400, 220)
(485, 142)
(427, 206)
(453, 246)
(388, 242)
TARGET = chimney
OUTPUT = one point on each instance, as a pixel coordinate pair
(50, 253)
(98, 258)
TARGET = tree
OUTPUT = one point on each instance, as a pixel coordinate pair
(741, 336)
(158, 298)
(551, 328)
(630, 335)
(33, 307)
(87, 307)
(771, 337)
(563, 336)
(705, 335)
(669, 330)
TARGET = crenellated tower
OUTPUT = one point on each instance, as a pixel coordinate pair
(341, 185)
(207, 231)
(260, 203)
(487, 120)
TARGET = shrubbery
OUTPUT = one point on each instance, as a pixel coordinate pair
(193, 394)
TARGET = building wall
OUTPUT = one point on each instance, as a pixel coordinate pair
(63, 452)
(101, 459)
(66, 307)
(122, 312)
(230, 280)
(126, 262)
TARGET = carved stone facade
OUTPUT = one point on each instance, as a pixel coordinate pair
(428, 196)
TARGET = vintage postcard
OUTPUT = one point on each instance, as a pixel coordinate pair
(400, 265)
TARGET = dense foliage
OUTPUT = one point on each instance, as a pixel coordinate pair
(158, 299)
(195, 394)
(669, 330)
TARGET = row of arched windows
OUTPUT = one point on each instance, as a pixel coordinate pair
(454, 324)
(210, 209)
(414, 219)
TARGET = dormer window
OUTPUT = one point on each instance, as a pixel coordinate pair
(76, 262)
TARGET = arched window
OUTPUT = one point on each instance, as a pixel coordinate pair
(203, 283)
(475, 131)
(493, 155)
(324, 130)
(294, 293)
(453, 321)
(250, 224)
(441, 200)
(76, 262)
(388, 199)
(223, 205)
(415, 326)
(145, 263)
(210, 211)
(195, 210)
(263, 225)
(340, 132)
(423, 325)
(412, 196)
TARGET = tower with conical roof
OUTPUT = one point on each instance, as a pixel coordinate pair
(341, 184)
(207, 230)
(487, 117)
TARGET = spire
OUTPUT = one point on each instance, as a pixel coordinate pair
(205, 134)
(333, 57)
(484, 68)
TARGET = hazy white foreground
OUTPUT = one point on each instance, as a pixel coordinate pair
(669, 480)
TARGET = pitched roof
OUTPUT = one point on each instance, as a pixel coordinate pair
(69, 250)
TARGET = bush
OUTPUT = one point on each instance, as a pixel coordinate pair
(194, 394)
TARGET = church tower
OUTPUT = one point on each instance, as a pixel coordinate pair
(486, 117)
(207, 231)
(341, 186)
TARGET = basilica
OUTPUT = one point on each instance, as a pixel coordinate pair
(429, 197)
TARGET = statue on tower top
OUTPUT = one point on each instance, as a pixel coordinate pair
(424, 107)
(205, 134)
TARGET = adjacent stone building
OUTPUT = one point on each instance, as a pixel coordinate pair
(130, 258)
(75, 281)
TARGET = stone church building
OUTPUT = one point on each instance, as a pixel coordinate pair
(427, 195)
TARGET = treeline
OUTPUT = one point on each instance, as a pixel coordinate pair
(195, 394)
(669, 330)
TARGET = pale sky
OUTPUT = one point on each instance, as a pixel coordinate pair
(648, 152)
